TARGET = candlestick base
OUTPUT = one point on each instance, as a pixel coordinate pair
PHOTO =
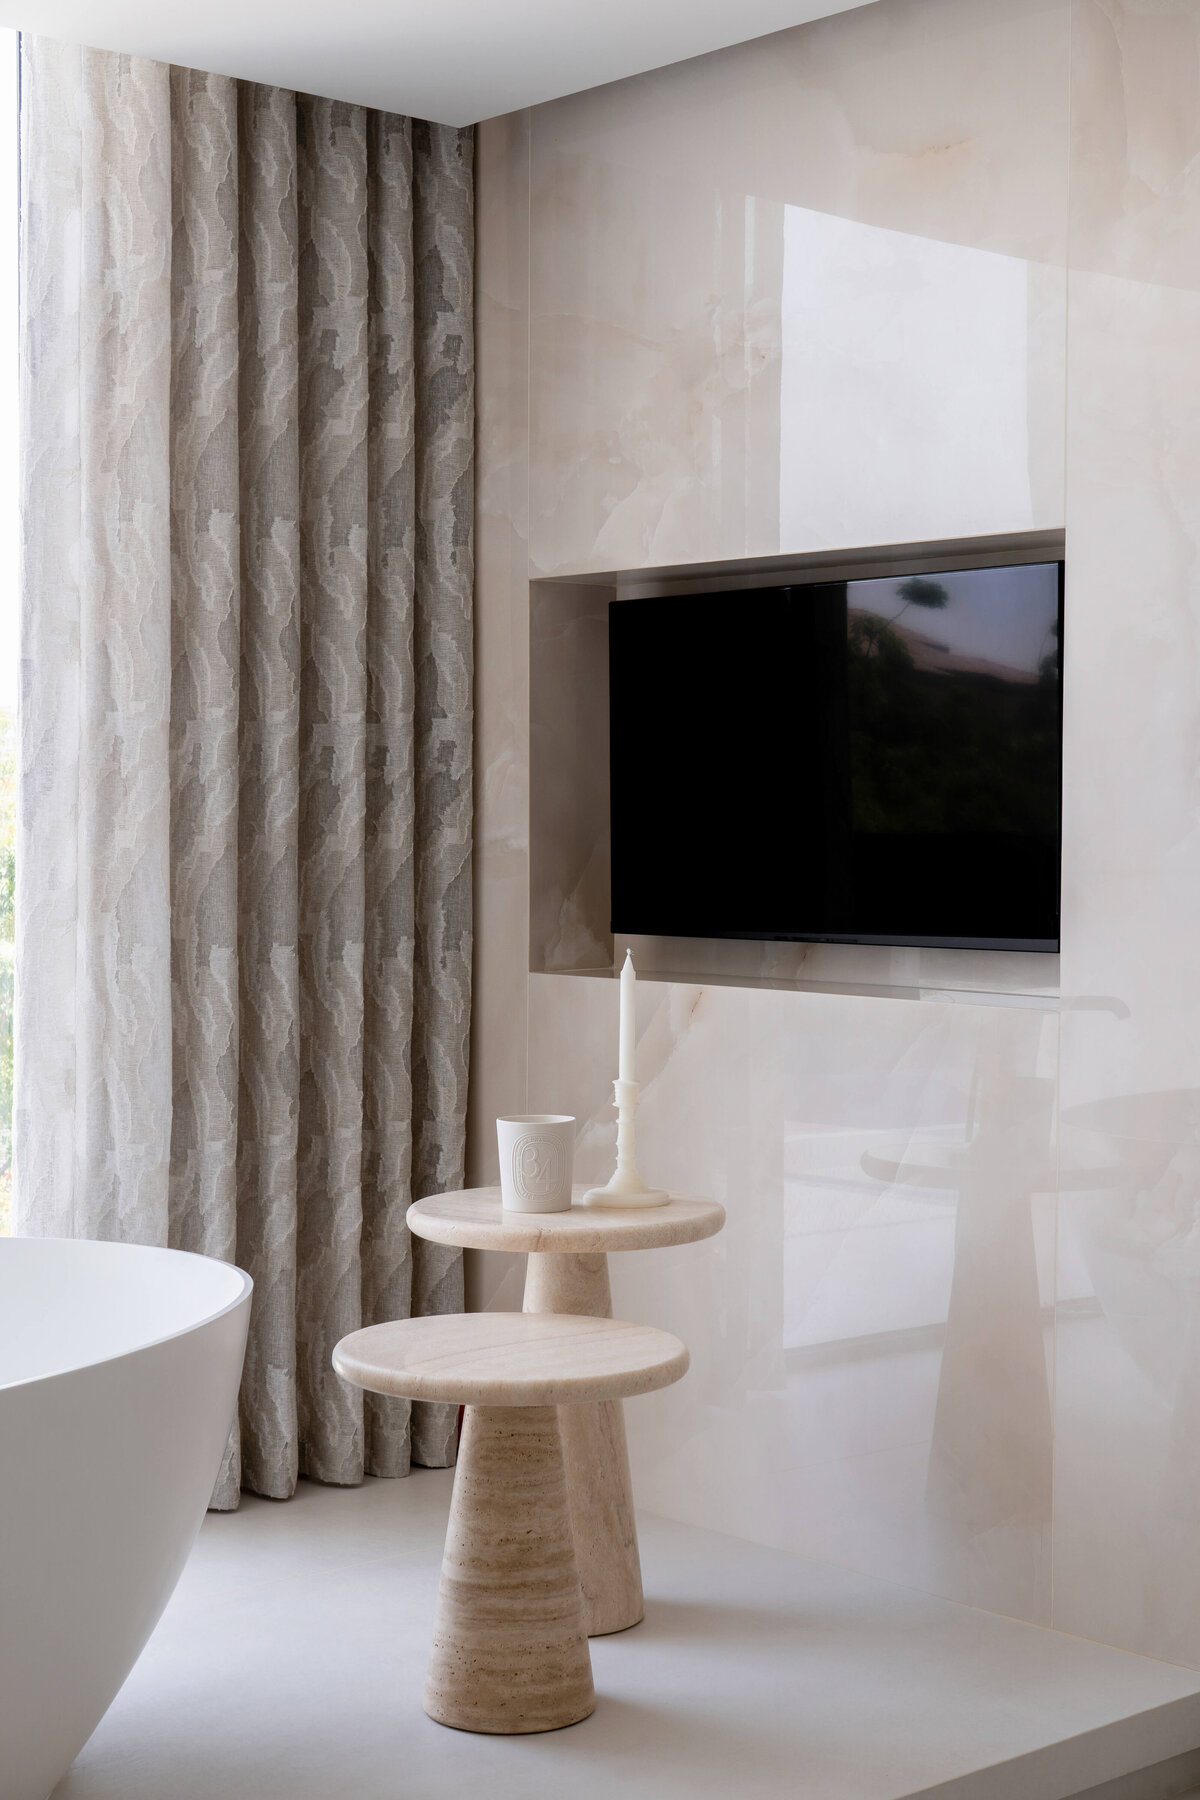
(620, 1191)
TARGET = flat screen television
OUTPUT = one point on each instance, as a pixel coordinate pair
(861, 762)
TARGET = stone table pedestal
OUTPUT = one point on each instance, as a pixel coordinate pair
(567, 1272)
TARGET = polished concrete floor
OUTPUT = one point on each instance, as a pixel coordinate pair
(289, 1664)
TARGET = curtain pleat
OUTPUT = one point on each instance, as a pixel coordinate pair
(269, 806)
(205, 625)
(444, 358)
(332, 163)
(244, 931)
(390, 771)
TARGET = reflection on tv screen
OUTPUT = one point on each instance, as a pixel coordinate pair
(869, 761)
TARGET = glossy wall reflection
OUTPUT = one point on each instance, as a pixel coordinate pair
(926, 269)
(871, 1371)
(806, 292)
(1127, 1514)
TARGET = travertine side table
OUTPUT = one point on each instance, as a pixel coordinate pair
(567, 1272)
(509, 1649)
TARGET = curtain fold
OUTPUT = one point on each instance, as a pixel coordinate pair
(244, 912)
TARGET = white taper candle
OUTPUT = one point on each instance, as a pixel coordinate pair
(626, 1059)
(626, 1187)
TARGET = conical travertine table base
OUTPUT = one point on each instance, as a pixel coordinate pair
(567, 1272)
(597, 1458)
(510, 1647)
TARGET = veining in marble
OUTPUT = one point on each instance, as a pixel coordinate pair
(911, 1322)
(871, 1376)
(668, 259)
(844, 1324)
(1127, 1516)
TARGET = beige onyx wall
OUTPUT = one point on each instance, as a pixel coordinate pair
(1127, 1469)
(925, 270)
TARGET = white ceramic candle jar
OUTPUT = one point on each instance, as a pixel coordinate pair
(537, 1151)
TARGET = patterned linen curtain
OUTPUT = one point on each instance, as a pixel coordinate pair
(244, 930)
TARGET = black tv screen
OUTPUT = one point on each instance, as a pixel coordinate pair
(873, 762)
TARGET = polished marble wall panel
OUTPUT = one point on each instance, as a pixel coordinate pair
(928, 1301)
(1127, 1502)
(900, 389)
(871, 1378)
(1127, 1498)
(870, 1373)
(805, 292)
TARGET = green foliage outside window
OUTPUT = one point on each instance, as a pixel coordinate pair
(934, 751)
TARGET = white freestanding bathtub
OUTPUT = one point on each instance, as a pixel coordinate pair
(119, 1370)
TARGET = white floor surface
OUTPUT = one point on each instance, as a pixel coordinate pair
(289, 1664)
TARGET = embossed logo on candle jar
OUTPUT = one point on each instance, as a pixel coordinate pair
(536, 1154)
(539, 1167)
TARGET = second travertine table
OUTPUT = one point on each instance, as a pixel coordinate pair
(510, 1647)
(567, 1272)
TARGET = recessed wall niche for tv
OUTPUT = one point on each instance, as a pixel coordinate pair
(864, 762)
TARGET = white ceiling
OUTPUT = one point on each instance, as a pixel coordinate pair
(456, 61)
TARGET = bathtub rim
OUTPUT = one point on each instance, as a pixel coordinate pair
(150, 1343)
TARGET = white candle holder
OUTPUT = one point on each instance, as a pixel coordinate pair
(626, 1187)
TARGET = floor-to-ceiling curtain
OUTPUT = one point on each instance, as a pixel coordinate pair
(244, 909)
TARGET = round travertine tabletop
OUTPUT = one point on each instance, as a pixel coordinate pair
(511, 1359)
(473, 1219)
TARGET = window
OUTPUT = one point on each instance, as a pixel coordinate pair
(9, 565)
